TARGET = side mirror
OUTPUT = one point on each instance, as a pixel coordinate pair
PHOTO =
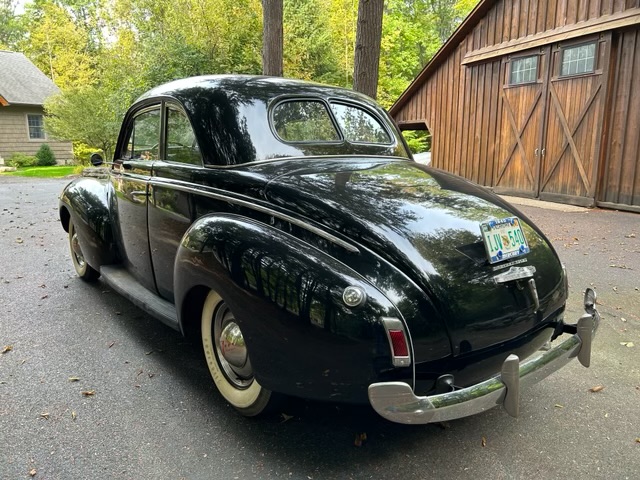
(96, 159)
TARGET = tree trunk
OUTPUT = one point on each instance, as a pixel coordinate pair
(272, 37)
(367, 56)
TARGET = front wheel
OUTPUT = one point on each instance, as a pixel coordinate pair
(228, 359)
(83, 269)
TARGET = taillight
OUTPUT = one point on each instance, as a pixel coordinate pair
(398, 342)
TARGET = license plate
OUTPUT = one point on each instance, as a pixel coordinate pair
(503, 239)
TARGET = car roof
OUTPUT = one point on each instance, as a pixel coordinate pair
(250, 86)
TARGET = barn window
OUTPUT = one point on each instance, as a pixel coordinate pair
(578, 60)
(524, 70)
(36, 127)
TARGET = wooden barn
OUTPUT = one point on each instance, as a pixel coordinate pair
(537, 98)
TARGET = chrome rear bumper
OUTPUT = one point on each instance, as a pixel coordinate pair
(396, 401)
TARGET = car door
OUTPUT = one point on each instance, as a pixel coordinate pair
(130, 178)
(171, 204)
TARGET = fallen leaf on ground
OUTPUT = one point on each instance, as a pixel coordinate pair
(111, 344)
(74, 379)
(360, 439)
(44, 296)
(557, 405)
(285, 417)
(149, 352)
(33, 472)
(597, 388)
(638, 440)
(627, 344)
(7, 348)
(45, 415)
(73, 415)
(484, 442)
(19, 240)
(631, 235)
(88, 393)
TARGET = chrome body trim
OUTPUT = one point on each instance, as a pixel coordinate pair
(397, 402)
(259, 208)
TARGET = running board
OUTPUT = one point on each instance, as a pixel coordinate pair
(123, 282)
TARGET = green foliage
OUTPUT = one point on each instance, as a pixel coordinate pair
(45, 156)
(91, 115)
(418, 140)
(104, 53)
(82, 153)
(11, 29)
(21, 160)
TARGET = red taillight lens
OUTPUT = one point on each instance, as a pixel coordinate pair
(399, 343)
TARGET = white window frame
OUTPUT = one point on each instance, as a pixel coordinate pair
(44, 134)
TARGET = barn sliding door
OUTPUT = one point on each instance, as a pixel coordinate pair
(522, 113)
(575, 101)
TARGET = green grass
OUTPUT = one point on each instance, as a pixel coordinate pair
(44, 172)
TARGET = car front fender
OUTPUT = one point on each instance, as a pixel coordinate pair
(86, 202)
(287, 298)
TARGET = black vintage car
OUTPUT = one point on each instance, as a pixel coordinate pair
(285, 226)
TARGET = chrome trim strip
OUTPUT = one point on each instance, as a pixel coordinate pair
(259, 208)
(515, 273)
(396, 401)
(304, 158)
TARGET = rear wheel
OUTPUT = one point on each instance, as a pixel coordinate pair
(228, 359)
(83, 269)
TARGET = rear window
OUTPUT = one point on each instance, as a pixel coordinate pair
(304, 121)
(359, 126)
(310, 121)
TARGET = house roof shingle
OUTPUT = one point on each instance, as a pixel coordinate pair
(21, 82)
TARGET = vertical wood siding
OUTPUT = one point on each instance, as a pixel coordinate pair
(620, 177)
(465, 109)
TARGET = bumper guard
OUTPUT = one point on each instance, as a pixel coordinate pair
(396, 401)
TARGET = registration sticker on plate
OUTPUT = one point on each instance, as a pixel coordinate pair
(503, 239)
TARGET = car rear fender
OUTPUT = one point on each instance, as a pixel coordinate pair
(86, 201)
(287, 297)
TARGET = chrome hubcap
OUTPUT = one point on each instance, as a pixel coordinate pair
(77, 251)
(231, 349)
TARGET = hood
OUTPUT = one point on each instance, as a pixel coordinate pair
(427, 224)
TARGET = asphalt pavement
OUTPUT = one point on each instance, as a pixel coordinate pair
(95, 388)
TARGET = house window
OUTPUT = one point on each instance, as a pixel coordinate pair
(578, 60)
(36, 127)
(524, 70)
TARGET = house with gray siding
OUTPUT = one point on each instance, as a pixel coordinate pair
(23, 90)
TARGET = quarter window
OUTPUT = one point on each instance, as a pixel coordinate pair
(579, 59)
(359, 126)
(524, 70)
(304, 121)
(144, 140)
(36, 127)
(181, 141)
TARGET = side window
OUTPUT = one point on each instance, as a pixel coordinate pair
(524, 70)
(304, 121)
(36, 127)
(144, 139)
(182, 145)
(359, 126)
(578, 60)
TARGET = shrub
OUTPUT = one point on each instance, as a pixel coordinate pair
(21, 160)
(82, 153)
(45, 156)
